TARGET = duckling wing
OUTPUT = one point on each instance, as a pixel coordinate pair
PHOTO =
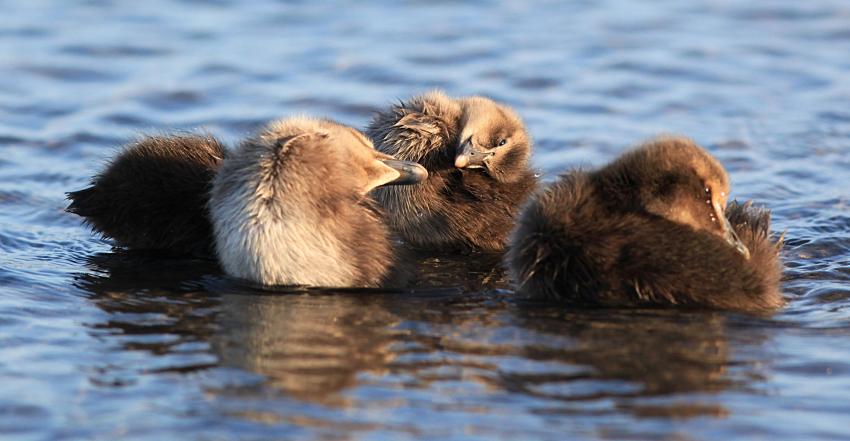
(674, 265)
(153, 195)
(409, 135)
(752, 224)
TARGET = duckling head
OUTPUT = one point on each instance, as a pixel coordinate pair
(492, 138)
(674, 178)
(334, 157)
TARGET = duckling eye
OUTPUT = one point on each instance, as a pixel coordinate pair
(502, 142)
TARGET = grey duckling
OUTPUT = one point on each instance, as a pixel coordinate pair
(651, 228)
(290, 206)
(477, 155)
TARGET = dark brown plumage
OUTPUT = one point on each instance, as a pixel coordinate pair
(476, 152)
(153, 195)
(648, 229)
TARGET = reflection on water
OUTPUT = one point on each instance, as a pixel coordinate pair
(312, 347)
(449, 352)
(96, 344)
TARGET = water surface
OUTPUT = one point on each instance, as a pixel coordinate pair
(107, 345)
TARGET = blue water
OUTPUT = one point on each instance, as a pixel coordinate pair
(97, 344)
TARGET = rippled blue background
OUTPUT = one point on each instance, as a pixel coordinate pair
(95, 344)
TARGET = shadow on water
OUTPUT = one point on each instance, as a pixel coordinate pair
(320, 347)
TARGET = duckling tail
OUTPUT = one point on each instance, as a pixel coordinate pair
(78, 201)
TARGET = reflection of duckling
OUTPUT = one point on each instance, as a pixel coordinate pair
(476, 152)
(153, 195)
(289, 206)
(660, 354)
(312, 347)
(649, 228)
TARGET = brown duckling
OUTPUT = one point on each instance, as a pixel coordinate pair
(651, 228)
(153, 195)
(476, 152)
(290, 206)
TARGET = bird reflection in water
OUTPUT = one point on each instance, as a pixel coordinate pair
(320, 346)
(651, 363)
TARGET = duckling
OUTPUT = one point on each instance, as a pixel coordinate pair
(477, 154)
(153, 195)
(651, 228)
(290, 206)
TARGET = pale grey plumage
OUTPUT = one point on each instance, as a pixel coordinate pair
(289, 207)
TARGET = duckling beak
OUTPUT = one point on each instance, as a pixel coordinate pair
(733, 239)
(409, 172)
(470, 156)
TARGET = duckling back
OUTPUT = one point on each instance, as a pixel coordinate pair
(153, 195)
(290, 207)
(577, 242)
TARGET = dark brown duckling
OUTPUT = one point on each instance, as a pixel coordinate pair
(153, 195)
(476, 152)
(290, 206)
(651, 228)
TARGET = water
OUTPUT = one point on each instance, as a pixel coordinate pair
(104, 345)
